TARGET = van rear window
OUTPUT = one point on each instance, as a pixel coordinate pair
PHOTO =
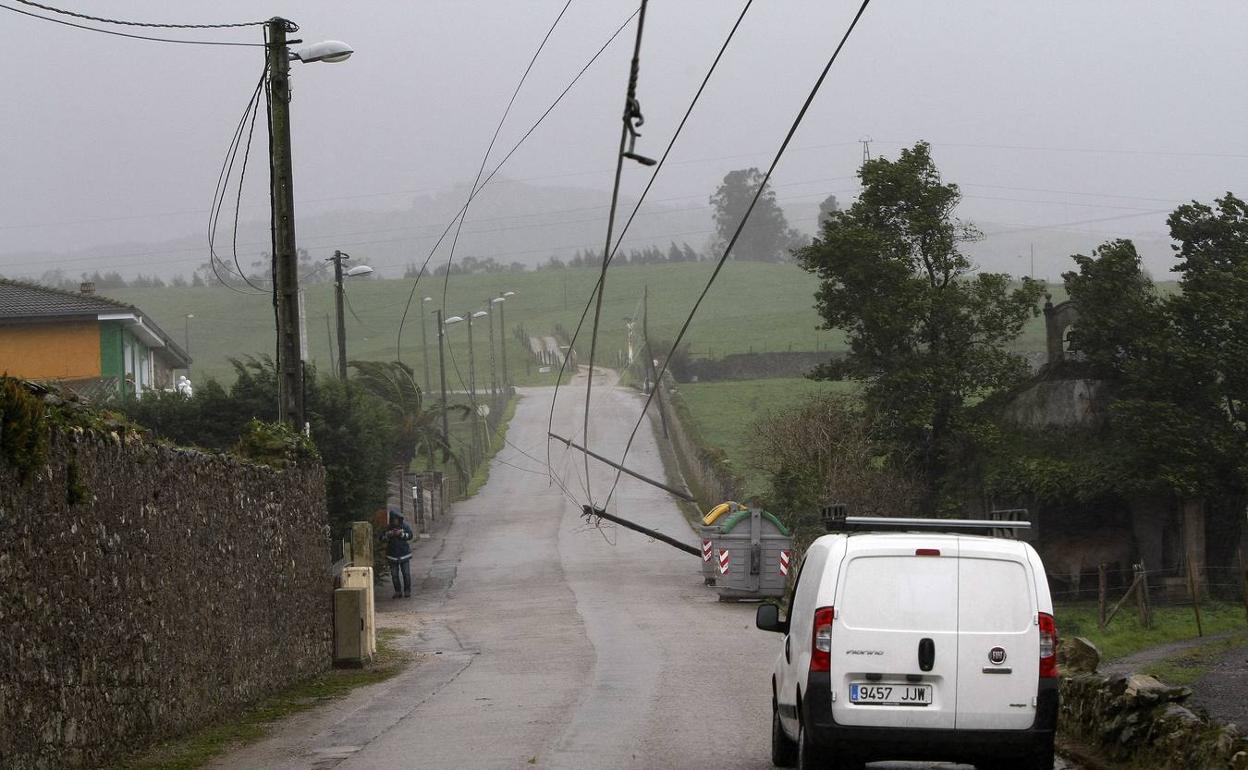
(900, 593)
(995, 596)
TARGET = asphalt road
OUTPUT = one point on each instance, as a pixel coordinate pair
(544, 642)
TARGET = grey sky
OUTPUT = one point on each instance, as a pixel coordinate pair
(1046, 113)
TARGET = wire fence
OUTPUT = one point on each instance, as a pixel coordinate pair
(1139, 591)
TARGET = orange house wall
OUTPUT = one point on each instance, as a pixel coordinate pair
(59, 351)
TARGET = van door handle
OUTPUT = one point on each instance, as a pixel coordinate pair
(927, 654)
(786, 649)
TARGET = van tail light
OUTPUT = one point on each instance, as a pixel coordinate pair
(821, 645)
(1048, 646)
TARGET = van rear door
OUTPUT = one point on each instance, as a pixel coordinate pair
(894, 646)
(999, 640)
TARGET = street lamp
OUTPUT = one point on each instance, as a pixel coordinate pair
(353, 272)
(472, 361)
(502, 335)
(446, 425)
(186, 339)
(282, 201)
(424, 343)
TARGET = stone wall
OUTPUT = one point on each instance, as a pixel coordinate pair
(1138, 720)
(149, 590)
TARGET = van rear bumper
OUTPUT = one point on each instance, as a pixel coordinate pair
(902, 744)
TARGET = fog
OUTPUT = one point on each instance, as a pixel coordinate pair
(1065, 123)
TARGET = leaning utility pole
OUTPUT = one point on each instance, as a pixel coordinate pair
(286, 275)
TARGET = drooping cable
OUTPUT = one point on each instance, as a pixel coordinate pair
(637, 207)
(398, 353)
(463, 214)
(223, 181)
(130, 35)
(88, 17)
(684, 328)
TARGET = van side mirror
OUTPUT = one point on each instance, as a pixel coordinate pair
(767, 618)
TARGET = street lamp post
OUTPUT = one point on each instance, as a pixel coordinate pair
(285, 260)
(338, 297)
(502, 335)
(472, 361)
(489, 307)
(424, 344)
(446, 424)
(186, 338)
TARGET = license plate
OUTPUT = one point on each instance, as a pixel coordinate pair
(870, 694)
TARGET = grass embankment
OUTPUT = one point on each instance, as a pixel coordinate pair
(725, 411)
(253, 723)
(1126, 636)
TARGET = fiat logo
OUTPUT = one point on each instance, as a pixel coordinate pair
(996, 656)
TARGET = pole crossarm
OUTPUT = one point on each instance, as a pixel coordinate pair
(670, 490)
(589, 510)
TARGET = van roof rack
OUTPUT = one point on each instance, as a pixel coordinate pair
(835, 519)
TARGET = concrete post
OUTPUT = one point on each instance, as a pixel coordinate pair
(362, 543)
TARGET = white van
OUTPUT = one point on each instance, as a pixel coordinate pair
(915, 646)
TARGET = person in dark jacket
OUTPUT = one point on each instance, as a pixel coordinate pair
(399, 554)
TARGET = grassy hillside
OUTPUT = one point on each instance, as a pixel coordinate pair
(726, 411)
(752, 307)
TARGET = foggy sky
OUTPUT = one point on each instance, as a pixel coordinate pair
(1091, 117)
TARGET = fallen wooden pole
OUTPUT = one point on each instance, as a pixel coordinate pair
(670, 490)
(590, 510)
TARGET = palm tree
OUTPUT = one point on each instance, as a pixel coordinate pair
(419, 429)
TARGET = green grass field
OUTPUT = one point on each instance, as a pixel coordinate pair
(1125, 635)
(725, 412)
(752, 307)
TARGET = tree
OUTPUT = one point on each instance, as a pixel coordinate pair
(926, 336)
(418, 429)
(1120, 312)
(828, 206)
(767, 236)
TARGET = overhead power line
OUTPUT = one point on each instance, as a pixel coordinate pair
(291, 27)
(597, 292)
(684, 328)
(416, 282)
(128, 34)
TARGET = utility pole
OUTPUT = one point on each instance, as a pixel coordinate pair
(286, 290)
(1032, 274)
(342, 323)
(446, 425)
(866, 148)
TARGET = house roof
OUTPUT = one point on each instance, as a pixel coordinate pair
(22, 302)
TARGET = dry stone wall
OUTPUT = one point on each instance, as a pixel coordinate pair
(147, 590)
(1138, 720)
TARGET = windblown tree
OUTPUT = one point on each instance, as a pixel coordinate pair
(1178, 364)
(927, 335)
(767, 236)
(419, 428)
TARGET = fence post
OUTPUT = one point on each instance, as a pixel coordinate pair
(420, 504)
(1191, 587)
(1102, 588)
(1141, 602)
(1148, 597)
